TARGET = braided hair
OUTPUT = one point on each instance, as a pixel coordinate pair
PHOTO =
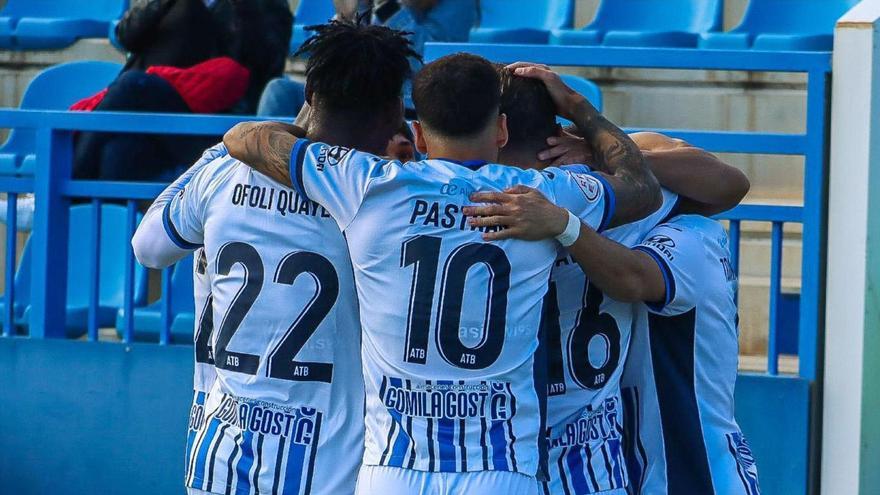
(356, 67)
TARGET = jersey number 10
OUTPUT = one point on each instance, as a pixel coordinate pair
(423, 253)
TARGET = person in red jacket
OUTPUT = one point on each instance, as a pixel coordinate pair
(210, 87)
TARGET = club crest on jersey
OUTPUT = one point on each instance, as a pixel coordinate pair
(331, 156)
(589, 186)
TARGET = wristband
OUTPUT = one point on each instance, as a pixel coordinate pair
(572, 231)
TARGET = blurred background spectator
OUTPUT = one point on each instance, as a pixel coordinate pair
(426, 20)
(185, 56)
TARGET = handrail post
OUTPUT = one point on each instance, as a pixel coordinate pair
(815, 220)
(50, 235)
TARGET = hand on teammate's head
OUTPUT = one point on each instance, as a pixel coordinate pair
(566, 99)
(567, 149)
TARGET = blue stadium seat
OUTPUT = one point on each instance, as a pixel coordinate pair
(54, 24)
(529, 22)
(793, 25)
(646, 23)
(56, 88)
(148, 319)
(115, 243)
(309, 13)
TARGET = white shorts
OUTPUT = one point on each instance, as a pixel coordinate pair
(384, 480)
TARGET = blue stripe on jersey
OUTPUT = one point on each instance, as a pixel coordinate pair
(230, 461)
(609, 465)
(668, 279)
(279, 462)
(213, 456)
(540, 367)
(245, 463)
(636, 459)
(617, 471)
(202, 456)
(402, 442)
(259, 456)
(512, 445)
(297, 157)
(560, 464)
(484, 447)
(610, 202)
(445, 439)
(576, 469)
(296, 457)
(499, 445)
(172, 232)
(672, 349)
(314, 453)
(591, 473)
(191, 436)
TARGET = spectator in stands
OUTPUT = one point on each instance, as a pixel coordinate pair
(176, 33)
(425, 20)
(182, 33)
(213, 86)
(186, 56)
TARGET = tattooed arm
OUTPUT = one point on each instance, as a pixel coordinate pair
(636, 189)
(265, 147)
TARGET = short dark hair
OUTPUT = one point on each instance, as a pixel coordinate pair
(356, 67)
(531, 113)
(457, 95)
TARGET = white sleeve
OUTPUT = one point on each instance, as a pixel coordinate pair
(587, 195)
(158, 241)
(335, 177)
(681, 255)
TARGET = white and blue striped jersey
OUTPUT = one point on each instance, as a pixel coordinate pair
(450, 323)
(285, 413)
(588, 336)
(204, 372)
(679, 379)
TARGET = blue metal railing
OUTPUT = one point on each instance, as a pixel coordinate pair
(812, 145)
(54, 189)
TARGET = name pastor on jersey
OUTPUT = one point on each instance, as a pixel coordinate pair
(490, 400)
(443, 215)
(283, 201)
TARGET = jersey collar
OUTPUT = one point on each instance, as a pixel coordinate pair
(471, 164)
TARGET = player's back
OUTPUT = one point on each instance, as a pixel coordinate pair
(680, 376)
(451, 323)
(588, 337)
(457, 368)
(285, 407)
